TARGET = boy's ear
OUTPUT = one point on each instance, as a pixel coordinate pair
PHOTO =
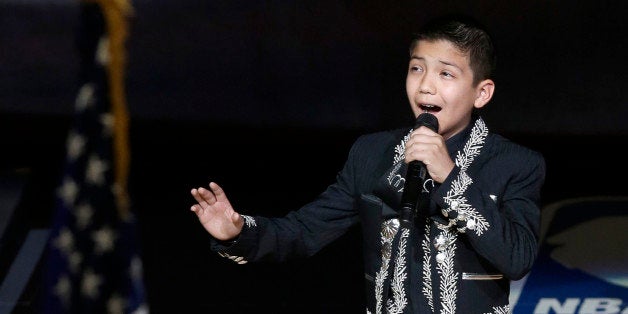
(485, 90)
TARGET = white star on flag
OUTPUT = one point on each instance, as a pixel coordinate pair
(102, 52)
(65, 241)
(116, 304)
(107, 120)
(85, 97)
(68, 191)
(75, 259)
(63, 289)
(84, 214)
(89, 285)
(75, 145)
(95, 173)
(103, 240)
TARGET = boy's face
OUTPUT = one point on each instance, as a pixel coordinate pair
(440, 81)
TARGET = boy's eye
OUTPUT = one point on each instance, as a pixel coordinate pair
(416, 68)
(446, 74)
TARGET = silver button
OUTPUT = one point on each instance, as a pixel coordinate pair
(471, 224)
(454, 205)
(440, 257)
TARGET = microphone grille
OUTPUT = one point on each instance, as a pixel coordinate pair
(427, 119)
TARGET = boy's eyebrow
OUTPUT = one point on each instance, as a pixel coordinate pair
(451, 64)
(441, 61)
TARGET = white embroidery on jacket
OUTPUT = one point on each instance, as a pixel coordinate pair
(400, 149)
(448, 278)
(455, 198)
(445, 242)
(389, 230)
(238, 259)
(473, 146)
(446, 253)
(395, 180)
(427, 266)
(500, 310)
(249, 221)
(399, 301)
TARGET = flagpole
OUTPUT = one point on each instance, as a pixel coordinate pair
(116, 13)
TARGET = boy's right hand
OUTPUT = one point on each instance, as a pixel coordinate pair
(216, 214)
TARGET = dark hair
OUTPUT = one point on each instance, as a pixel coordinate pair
(469, 36)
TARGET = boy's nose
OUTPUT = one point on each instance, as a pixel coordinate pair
(426, 85)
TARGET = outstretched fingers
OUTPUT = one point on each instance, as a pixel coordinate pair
(196, 209)
(204, 197)
(212, 198)
(200, 199)
(218, 193)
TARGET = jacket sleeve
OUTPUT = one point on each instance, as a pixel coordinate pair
(303, 232)
(496, 206)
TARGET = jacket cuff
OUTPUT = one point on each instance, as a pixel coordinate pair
(237, 249)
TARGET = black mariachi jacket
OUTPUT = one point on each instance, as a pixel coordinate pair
(479, 230)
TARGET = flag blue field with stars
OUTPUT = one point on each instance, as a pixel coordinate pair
(93, 262)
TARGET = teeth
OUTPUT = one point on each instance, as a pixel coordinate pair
(429, 107)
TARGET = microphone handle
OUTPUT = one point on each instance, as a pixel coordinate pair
(415, 175)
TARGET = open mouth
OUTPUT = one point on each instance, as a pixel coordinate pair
(429, 108)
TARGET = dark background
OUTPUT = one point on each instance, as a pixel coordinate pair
(266, 97)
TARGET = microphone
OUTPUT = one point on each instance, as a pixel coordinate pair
(415, 176)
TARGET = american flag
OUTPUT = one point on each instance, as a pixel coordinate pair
(93, 263)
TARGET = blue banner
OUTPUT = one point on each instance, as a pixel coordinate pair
(582, 265)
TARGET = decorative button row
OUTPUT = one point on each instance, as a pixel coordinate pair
(389, 230)
(458, 217)
(441, 242)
